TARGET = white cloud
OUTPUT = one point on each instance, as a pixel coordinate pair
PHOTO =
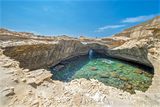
(137, 19)
(102, 29)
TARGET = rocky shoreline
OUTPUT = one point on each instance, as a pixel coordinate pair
(26, 81)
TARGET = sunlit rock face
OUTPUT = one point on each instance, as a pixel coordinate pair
(140, 44)
(43, 55)
(139, 40)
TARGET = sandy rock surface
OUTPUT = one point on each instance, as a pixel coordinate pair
(26, 82)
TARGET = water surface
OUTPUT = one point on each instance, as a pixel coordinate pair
(112, 72)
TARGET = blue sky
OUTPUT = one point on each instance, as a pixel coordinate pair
(92, 18)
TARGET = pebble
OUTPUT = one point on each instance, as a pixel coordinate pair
(23, 80)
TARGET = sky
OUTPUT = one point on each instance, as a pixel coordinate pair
(92, 18)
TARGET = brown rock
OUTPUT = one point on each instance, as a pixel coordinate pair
(94, 68)
(129, 86)
(114, 74)
(124, 78)
(138, 71)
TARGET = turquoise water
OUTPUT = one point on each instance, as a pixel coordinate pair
(112, 72)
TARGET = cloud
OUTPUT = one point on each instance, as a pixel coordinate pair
(137, 19)
(102, 29)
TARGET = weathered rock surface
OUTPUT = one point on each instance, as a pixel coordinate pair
(143, 47)
(44, 55)
(37, 76)
(8, 91)
(29, 88)
(141, 39)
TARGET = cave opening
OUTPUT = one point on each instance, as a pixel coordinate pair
(125, 75)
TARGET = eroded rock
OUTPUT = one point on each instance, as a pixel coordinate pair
(135, 44)
(8, 91)
(38, 76)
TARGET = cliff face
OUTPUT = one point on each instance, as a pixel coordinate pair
(132, 44)
(142, 30)
(133, 50)
(44, 55)
(143, 46)
(141, 38)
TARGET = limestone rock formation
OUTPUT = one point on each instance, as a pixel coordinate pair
(25, 78)
(45, 54)
(141, 39)
(37, 76)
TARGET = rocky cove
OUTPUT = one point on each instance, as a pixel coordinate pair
(110, 71)
(51, 54)
(25, 64)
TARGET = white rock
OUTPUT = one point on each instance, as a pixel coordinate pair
(8, 91)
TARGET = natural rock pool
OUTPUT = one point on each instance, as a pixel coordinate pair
(112, 72)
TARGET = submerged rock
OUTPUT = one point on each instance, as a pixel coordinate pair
(107, 61)
(105, 75)
(138, 71)
(114, 74)
(93, 68)
(123, 78)
(129, 86)
(59, 67)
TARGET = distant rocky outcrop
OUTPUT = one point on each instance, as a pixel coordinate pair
(141, 38)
